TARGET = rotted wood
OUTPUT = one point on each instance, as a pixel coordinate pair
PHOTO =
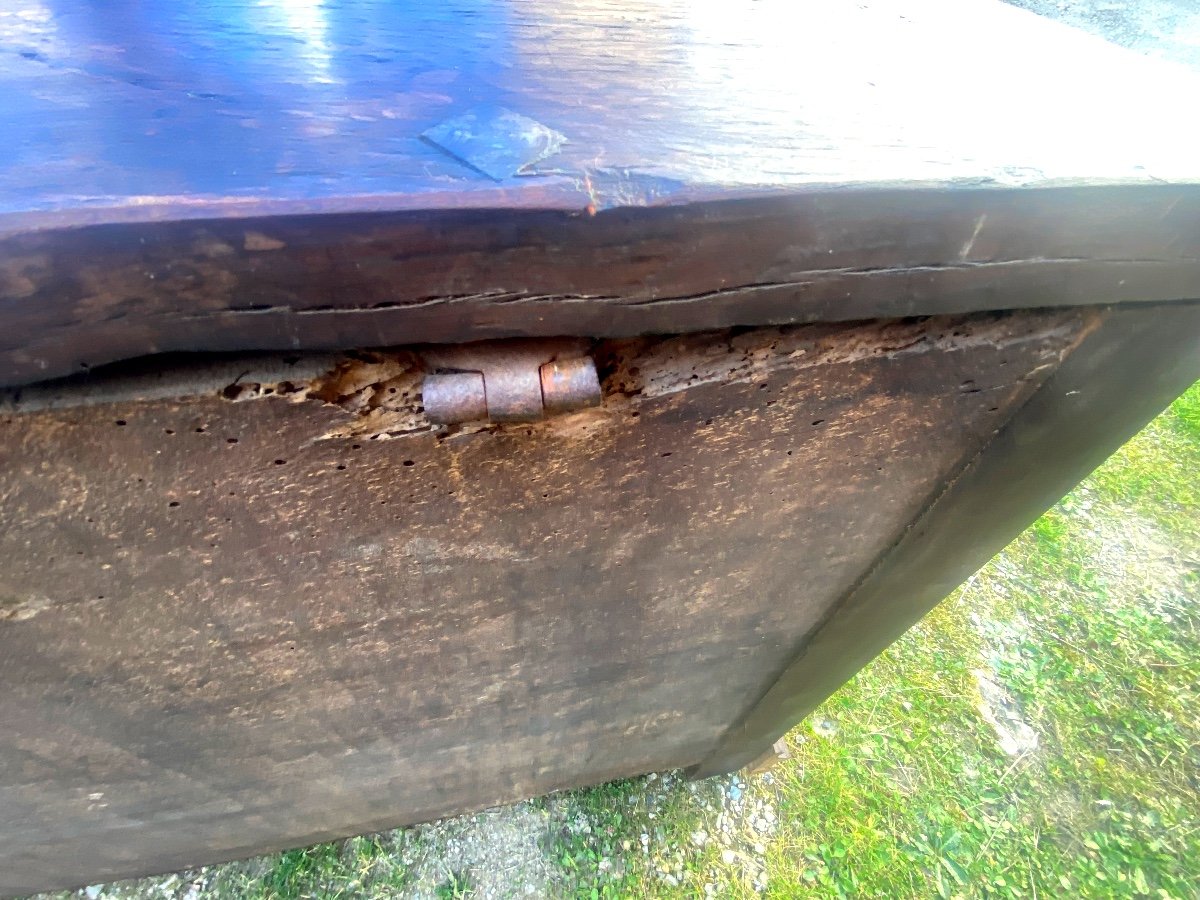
(1122, 375)
(263, 602)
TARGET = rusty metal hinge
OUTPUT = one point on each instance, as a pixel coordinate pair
(508, 381)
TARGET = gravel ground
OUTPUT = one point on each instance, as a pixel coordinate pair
(515, 851)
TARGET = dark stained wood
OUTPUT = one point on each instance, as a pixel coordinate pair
(1122, 375)
(233, 621)
(72, 299)
(244, 175)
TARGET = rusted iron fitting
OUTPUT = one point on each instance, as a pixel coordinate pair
(508, 381)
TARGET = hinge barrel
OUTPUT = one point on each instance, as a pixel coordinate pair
(513, 381)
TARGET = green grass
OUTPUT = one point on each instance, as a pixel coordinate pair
(369, 866)
(1085, 629)
(1089, 621)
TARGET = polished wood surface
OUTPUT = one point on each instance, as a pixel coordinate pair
(257, 175)
(202, 108)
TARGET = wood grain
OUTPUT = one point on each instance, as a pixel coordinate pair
(230, 622)
(74, 299)
(1121, 376)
